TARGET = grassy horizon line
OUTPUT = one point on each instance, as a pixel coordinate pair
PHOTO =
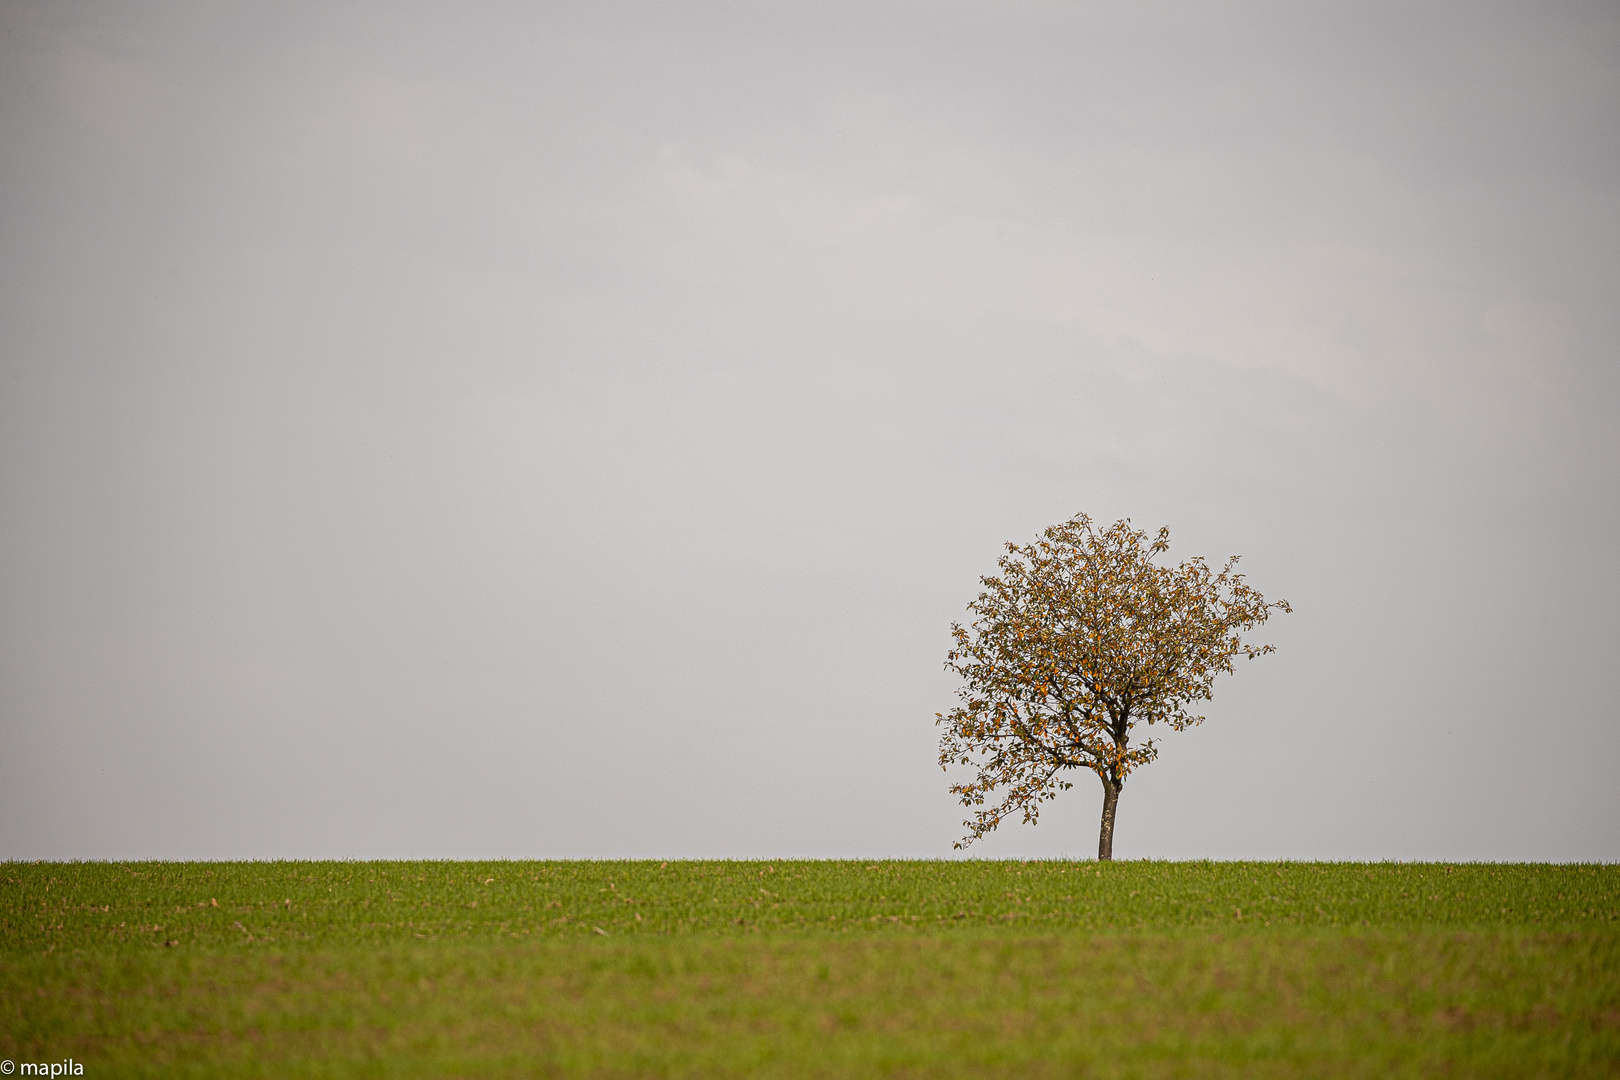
(811, 968)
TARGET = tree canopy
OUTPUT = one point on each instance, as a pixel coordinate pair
(1081, 637)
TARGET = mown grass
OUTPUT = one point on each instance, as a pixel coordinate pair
(811, 969)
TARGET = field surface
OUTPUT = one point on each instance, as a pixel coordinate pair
(811, 969)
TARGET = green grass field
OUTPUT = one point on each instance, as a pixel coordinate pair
(797, 969)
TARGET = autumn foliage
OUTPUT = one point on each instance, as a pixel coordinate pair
(1079, 639)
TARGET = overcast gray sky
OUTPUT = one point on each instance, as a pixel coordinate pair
(570, 429)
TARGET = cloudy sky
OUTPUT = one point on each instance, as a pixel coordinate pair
(571, 429)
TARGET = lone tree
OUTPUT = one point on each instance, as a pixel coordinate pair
(1081, 638)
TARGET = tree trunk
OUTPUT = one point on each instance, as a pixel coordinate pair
(1105, 840)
